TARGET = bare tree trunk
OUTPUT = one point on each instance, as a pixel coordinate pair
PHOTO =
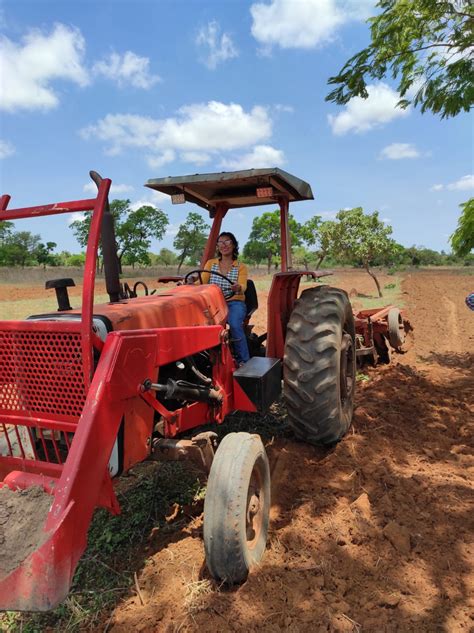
(320, 261)
(374, 278)
(269, 263)
(183, 255)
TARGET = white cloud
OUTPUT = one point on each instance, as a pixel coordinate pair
(218, 48)
(127, 69)
(198, 158)
(6, 149)
(464, 183)
(28, 69)
(280, 107)
(203, 128)
(143, 202)
(76, 217)
(361, 115)
(398, 151)
(305, 23)
(158, 160)
(158, 196)
(260, 156)
(90, 187)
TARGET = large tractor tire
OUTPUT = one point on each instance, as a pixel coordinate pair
(319, 365)
(236, 508)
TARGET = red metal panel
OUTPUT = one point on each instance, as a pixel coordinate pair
(281, 299)
(176, 343)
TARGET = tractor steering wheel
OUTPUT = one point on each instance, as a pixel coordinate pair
(200, 271)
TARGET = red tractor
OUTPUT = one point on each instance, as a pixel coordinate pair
(87, 393)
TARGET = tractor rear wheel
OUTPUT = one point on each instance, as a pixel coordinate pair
(237, 507)
(319, 365)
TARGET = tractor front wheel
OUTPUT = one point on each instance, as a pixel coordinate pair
(236, 508)
(319, 365)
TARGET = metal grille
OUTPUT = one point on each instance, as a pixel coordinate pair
(35, 443)
(41, 372)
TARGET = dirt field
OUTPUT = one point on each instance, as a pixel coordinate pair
(374, 535)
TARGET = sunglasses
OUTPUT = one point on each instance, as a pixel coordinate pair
(224, 242)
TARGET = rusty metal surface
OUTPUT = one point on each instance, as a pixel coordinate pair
(200, 449)
(236, 189)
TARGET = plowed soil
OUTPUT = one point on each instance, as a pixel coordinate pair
(22, 517)
(373, 535)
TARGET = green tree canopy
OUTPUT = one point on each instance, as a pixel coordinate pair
(134, 230)
(166, 257)
(426, 45)
(191, 239)
(462, 240)
(264, 240)
(43, 254)
(363, 238)
(6, 229)
(321, 234)
(18, 249)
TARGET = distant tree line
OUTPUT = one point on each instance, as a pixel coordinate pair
(353, 238)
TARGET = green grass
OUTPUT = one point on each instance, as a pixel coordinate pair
(392, 294)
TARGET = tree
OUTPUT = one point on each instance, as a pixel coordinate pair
(264, 239)
(76, 260)
(363, 237)
(166, 257)
(134, 230)
(43, 254)
(6, 229)
(426, 45)
(462, 240)
(191, 239)
(18, 249)
(302, 257)
(322, 234)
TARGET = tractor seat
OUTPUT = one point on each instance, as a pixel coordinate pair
(251, 300)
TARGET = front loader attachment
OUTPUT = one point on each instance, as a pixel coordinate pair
(47, 446)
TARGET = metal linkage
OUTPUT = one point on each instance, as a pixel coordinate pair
(199, 449)
(184, 390)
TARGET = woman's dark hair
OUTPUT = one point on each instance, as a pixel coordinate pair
(230, 236)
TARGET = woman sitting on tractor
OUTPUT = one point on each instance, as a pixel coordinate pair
(227, 264)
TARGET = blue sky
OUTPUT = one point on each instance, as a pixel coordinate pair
(146, 89)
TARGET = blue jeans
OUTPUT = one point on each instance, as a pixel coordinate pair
(236, 316)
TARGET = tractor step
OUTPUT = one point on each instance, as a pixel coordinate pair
(260, 379)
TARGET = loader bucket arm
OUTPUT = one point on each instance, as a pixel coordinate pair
(42, 581)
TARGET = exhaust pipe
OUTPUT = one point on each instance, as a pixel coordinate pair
(109, 249)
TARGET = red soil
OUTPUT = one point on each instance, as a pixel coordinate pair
(374, 535)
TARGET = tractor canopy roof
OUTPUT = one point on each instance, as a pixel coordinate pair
(247, 188)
